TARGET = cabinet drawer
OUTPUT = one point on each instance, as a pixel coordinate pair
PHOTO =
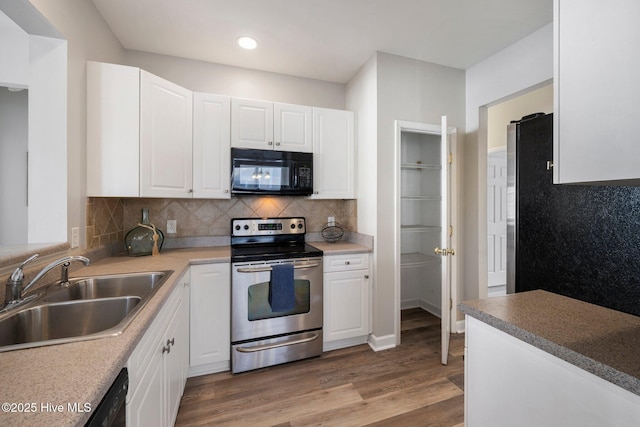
(346, 262)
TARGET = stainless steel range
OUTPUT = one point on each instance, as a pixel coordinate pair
(276, 293)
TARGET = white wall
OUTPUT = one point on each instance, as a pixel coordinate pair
(44, 73)
(13, 167)
(89, 38)
(47, 137)
(362, 98)
(500, 115)
(525, 64)
(415, 91)
(200, 76)
(14, 51)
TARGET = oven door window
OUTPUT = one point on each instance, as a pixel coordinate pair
(259, 307)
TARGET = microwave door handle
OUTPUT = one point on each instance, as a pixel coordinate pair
(261, 269)
(295, 178)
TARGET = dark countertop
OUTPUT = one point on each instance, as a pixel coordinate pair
(599, 340)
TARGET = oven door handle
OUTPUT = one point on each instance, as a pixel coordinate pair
(261, 269)
(263, 347)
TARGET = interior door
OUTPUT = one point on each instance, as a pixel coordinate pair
(497, 220)
(447, 251)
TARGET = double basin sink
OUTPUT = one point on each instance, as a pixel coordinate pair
(87, 308)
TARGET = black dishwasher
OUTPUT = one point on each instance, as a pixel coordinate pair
(111, 410)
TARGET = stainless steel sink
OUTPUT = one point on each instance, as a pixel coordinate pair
(88, 308)
(136, 284)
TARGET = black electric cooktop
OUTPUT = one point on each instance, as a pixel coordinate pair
(264, 252)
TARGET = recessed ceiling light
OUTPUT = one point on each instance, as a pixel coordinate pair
(246, 42)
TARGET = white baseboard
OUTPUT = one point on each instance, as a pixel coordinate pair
(420, 303)
(430, 308)
(382, 343)
(409, 303)
(347, 342)
(497, 291)
(460, 328)
(209, 368)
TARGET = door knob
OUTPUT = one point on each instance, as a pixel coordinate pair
(444, 251)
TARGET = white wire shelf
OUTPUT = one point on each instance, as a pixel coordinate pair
(419, 228)
(422, 198)
(416, 259)
(419, 166)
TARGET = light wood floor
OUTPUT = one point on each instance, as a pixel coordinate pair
(404, 386)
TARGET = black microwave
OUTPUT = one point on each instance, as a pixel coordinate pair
(268, 172)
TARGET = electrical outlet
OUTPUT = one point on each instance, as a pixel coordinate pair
(75, 237)
(172, 226)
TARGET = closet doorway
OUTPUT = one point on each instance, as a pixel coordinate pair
(425, 222)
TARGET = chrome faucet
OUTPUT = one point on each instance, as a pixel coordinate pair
(64, 274)
(14, 293)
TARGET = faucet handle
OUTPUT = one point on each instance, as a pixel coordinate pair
(18, 273)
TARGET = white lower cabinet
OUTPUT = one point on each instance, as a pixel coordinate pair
(158, 365)
(347, 300)
(210, 318)
(511, 383)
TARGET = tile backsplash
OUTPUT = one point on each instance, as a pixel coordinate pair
(108, 219)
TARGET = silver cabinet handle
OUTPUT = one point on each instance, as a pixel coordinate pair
(276, 345)
(347, 263)
(166, 349)
(270, 143)
(226, 191)
(277, 143)
(260, 269)
(366, 276)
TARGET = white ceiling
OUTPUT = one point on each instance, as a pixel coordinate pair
(324, 39)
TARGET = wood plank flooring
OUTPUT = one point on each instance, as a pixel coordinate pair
(404, 386)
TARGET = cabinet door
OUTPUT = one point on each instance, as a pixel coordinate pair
(251, 124)
(166, 122)
(113, 130)
(346, 304)
(333, 154)
(211, 146)
(174, 342)
(210, 313)
(146, 407)
(596, 91)
(292, 127)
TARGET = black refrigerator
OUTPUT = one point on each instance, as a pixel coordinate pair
(581, 241)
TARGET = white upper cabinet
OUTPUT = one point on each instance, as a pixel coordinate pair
(266, 125)
(292, 127)
(113, 130)
(211, 146)
(333, 154)
(597, 92)
(166, 120)
(139, 134)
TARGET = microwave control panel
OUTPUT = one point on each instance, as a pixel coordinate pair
(305, 177)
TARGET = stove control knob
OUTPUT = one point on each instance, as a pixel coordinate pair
(246, 227)
(237, 227)
(293, 226)
(300, 225)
